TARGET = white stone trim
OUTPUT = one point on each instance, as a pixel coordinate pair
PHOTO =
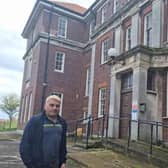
(92, 68)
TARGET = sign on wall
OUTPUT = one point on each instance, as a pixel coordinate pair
(134, 113)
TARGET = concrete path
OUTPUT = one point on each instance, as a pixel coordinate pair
(9, 155)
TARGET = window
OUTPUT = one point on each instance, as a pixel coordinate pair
(59, 61)
(87, 82)
(85, 117)
(115, 6)
(28, 68)
(167, 29)
(102, 101)
(22, 111)
(30, 106)
(61, 97)
(25, 109)
(151, 80)
(148, 30)
(127, 81)
(92, 25)
(104, 14)
(62, 27)
(128, 39)
(104, 53)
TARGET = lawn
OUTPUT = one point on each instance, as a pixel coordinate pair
(73, 164)
(4, 125)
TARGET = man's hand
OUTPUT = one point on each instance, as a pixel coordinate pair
(63, 165)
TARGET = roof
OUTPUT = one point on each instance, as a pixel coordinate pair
(71, 6)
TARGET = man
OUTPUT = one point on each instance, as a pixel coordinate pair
(43, 144)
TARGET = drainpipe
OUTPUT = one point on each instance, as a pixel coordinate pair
(45, 83)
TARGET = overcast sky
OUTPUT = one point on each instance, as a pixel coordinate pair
(13, 17)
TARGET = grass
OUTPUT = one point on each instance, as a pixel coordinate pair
(4, 126)
(100, 158)
(73, 164)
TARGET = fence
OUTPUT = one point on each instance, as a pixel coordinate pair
(92, 129)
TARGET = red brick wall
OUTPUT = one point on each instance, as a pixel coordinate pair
(101, 76)
(38, 27)
(86, 64)
(67, 83)
(76, 30)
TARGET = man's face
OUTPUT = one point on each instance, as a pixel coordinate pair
(52, 107)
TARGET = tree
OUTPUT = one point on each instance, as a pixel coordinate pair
(10, 104)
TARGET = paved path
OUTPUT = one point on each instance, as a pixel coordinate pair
(9, 155)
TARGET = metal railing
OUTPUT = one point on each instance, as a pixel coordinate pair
(98, 128)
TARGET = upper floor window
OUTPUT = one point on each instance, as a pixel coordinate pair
(87, 82)
(85, 117)
(92, 26)
(25, 109)
(115, 5)
(127, 81)
(59, 61)
(102, 102)
(148, 29)
(104, 52)
(28, 68)
(62, 27)
(151, 80)
(128, 39)
(104, 14)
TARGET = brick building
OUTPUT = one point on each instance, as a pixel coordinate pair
(67, 54)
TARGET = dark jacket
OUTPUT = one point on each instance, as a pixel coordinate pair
(31, 144)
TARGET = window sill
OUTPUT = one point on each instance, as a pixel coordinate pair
(165, 117)
(62, 37)
(104, 63)
(151, 92)
(100, 116)
(27, 80)
(58, 71)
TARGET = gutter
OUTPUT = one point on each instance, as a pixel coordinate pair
(45, 82)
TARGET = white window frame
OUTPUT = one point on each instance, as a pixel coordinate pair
(85, 116)
(167, 97)
(127, 47)
(146, 29)
(167, 29)
(28, 68)
(100, 105)
(88, 80)
(103, 15)
(91, 28)
(30, 106)
(25, 108)
(66, 24)
(103, 51)
(22, 110)
(63, 62)
(115, 6)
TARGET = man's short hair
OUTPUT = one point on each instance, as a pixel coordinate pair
(54, 97)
